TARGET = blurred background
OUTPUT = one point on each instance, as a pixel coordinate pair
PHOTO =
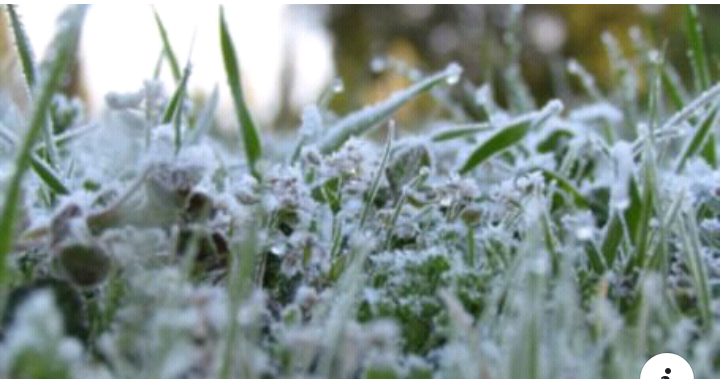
(290, 54)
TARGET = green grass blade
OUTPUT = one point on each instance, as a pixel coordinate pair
(700, 101)
(698, 270)
(25, 52)
(205, 119)
(459, 132)
(64, 45)
(376, 180)
(699, 137)
(708, 152)
(169, 53)
(177, 97)
(499, 142)
(570, 189)
(251, 138)
(698, 59)
(48, 175)
(158, 64)
(509, 135)
(364, 120)
(240, 287)
(173, 112)
(27, 61)
(673, 85)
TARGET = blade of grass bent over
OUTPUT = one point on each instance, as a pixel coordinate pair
(169, 53)
(364, 120)
(700, 136)
(64, 44)
(510, 134)
(27, 60)
(251, 139)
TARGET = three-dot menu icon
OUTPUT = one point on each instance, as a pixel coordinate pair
(667, 366)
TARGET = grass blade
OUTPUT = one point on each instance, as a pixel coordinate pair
(500, 141)
(698, 59)
(205, 119)
(376, 180)
(459, 132)
(700, 137)
(708, 152)
(48, 175)
(64, 45)
(173, 112)
(22, 42)
(700, 101)
(698, 270)
(176, 99)
(364, 120)
(171, 57)
(509, 135)
(251, 138)
(29, 67)
(673, 85)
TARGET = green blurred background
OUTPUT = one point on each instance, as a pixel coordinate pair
(430, 36)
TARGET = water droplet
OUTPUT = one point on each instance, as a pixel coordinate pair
(453, 72)
(573, 66)
(584, 233)
(378, 65)
(337, 85)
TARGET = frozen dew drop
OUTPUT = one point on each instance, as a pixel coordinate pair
(453, 72)
(337, 85)
(378, 65)
(584, 233)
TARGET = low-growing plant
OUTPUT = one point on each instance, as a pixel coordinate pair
(547, 241)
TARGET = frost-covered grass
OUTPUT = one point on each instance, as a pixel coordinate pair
(538, 241)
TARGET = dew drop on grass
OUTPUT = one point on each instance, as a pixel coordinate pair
(338, 85)
(378, 65)
(453, 70)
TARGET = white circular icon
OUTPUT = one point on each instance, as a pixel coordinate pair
(667, 366)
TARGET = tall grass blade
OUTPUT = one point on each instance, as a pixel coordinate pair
(696, 53)
(27, 59)
(673, 85)
(698, 270)
(709, 153)
(177, 97)
(699, 102)
(205, 119)
(364, 120)
(699, 137)
(376, 180)
(169, 53)
(48, 175)
(64, 44)
(251, 138)
(173, 112)
(240, 287)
